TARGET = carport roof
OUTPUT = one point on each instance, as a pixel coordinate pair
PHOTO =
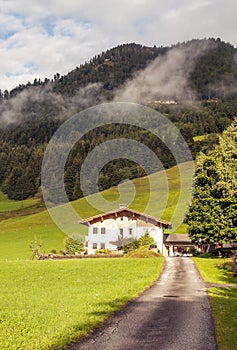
(178, 238)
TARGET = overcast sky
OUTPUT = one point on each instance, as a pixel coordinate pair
(41, 37)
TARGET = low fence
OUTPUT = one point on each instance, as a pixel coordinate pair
(79, 256)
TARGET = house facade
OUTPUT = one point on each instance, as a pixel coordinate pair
(112, 229)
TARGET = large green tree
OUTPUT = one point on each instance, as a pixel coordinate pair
(212, 215)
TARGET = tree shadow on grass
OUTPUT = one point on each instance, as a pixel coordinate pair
(224, 309)
(226, 271)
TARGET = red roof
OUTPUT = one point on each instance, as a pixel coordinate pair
(126, 212)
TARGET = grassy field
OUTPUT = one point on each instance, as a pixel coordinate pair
(49, 304)
(223, 301)
(156, 195)
(10, 205)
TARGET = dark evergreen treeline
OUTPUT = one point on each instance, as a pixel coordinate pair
(116, 170)
(207, 118)
(23, 142)
(215, 72)
(21, 164)
(20, 169)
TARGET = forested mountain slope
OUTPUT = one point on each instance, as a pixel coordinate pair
(198, 77)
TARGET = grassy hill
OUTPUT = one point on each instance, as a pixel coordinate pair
(157, 195)
(7, 205)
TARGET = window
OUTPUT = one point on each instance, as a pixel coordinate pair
(102, 245)
(103, 230)
(121, 232)
(95, 230)
(94, 245)
(130, 231)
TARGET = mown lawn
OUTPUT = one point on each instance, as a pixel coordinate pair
(223, 301)
(49, 304)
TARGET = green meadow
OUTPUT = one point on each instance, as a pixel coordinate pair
(50, 304)
(158, 195)
(11, 205)
(223, 300)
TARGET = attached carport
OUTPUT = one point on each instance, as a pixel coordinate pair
(178, 244)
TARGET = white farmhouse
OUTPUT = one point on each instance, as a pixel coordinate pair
(110, 230)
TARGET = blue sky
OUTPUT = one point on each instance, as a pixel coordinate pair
(41, 37)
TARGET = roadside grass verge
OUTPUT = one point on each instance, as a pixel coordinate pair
(50, 304)
(224, 309)
(223, 300)
(211, 270)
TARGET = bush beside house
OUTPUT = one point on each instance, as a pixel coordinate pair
(73, 246)
(140, 248)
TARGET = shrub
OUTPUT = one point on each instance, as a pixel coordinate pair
(102, 251)
(130, 245)
(146, 241)
(222, 252)
(73, 246)
(226, 265)
(142, 252)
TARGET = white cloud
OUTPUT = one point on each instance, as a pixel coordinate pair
(57, 35)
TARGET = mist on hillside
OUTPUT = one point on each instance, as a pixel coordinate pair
(166, 78)
(42, 100)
